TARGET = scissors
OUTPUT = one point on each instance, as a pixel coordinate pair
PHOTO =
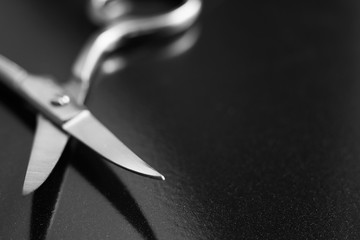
(61, 109)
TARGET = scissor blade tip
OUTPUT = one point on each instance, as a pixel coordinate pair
(155, 174)
(27, 191)
(30, 186)
(85, 126)
(146, 171)
(157, 177)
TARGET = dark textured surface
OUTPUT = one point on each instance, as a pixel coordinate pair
(256, 128)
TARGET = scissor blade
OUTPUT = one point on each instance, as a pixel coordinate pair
(87, 129)
(49, 143)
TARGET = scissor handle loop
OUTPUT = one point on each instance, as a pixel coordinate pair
(104, 12)
(110, 38)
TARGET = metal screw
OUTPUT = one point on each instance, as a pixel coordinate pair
(61, 100)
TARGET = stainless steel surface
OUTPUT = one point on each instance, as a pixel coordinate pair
(12, 74)
(75, 120)
(92, 133)
(176, 20)
(39, 91)
(108, 39)
(49, 143)
(107, 11)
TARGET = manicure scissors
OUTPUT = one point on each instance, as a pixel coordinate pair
(61, 108)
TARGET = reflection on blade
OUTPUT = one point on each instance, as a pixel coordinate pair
(48, 146)
(92, 133)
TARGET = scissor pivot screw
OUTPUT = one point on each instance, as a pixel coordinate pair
(61, 100)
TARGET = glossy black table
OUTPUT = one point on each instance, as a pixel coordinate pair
(256, 127)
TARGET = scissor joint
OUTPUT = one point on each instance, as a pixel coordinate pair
(60, 100)
(50, 99)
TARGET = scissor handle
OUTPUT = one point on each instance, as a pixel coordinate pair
(104, 12)
(108, 39)
(12, 74)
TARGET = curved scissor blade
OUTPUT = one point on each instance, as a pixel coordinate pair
(49, 143)
(87, 129)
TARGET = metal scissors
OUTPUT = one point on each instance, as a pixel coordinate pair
(61, 108)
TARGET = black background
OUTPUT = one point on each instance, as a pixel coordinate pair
(256, 127)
